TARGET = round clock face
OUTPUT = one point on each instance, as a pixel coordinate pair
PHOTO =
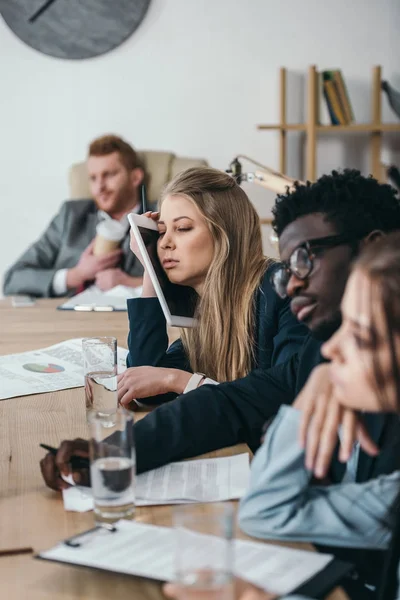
(73, 28)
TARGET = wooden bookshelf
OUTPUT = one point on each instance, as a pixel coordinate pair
(353, 127)
(312, 128)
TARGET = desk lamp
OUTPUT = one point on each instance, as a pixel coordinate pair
(264, 176)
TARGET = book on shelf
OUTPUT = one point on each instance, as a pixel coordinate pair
(336, 97)
(323, 116)
(344, 98)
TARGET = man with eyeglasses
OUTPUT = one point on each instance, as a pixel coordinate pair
(321, 227)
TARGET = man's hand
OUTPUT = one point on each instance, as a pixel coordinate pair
(106, 280)
(243, 591)
(143, 382)
(53, 467)
(89, 266)
(322, 416)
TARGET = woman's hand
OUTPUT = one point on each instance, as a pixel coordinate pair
(134, 247)
(322, 416)
(148, 290)
(143, 382)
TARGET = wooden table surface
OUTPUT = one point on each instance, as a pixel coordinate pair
(30, 513)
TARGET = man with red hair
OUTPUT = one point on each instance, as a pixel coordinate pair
(62, 261)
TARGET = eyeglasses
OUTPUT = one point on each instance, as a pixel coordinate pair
(301, 261)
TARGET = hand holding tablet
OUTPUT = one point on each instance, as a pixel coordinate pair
(146, 234)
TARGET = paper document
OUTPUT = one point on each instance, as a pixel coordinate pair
(93, 297)
(152, 549)
(204, 480)
(57, 367)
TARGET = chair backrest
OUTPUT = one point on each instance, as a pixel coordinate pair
(160, 168)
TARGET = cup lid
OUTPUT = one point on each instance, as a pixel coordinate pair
(110, 229)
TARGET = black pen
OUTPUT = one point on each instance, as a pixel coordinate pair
(144, 199)
(76, 462)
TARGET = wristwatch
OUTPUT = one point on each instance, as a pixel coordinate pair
(194, 382)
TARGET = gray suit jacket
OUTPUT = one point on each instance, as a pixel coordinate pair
(60, 247)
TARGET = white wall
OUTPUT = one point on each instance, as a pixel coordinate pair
(195, 78)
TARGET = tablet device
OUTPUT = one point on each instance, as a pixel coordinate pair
(177, 301)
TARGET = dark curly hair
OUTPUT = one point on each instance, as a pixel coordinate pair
(353, 203)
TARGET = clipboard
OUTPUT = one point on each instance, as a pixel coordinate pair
(93, 300)
(321, 582)
(326, 580)
(92, 308)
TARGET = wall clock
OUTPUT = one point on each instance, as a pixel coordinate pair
(73, 28)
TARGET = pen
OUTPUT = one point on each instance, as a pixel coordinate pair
(76, 462)
(144, 199)
(11, 551)
(92, 307)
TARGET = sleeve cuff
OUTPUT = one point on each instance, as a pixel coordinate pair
(59, 283)
(145, 308)
(209, 381)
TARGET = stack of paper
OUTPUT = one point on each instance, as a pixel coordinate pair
(205, 480)
(57, 367)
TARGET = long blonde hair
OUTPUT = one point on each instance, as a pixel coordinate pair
(222, 344)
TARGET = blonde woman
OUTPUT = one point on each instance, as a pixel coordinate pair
(210, 245)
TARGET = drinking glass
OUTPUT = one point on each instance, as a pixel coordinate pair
(112, 465)
(204, 550)
(100, 370)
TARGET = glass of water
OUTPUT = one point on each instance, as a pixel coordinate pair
(204, 550)
(100, 370)
(112, 465)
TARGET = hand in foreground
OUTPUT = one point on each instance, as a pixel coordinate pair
(109, 278)
(143, 382)
(89, 265)
(53, 466)
(134, 247)
(243, 591)
(321, 419)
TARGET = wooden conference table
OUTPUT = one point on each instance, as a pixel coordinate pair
(31, 514)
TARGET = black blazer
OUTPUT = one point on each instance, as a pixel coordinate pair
(216, 416)
(278, 334)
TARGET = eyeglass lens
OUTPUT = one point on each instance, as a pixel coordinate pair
(300, 265)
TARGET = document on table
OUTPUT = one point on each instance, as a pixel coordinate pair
(151, 554)
(204, 480)
(93, 298)
(57, 367)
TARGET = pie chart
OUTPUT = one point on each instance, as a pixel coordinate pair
(42, 368)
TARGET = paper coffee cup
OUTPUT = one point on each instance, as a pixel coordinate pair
(109, 235)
